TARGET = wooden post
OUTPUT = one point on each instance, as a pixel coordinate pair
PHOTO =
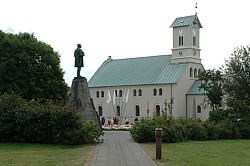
(158, 134)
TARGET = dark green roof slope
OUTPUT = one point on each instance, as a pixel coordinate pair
(137, 71)
(195, 90)
(185, 21)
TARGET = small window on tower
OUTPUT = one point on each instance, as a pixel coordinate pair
(180, 40)
(194, 41)
(191, 72)
(195, 73)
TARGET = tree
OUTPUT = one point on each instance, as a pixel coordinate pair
(237, 84)
(211, 82)
(30, 68)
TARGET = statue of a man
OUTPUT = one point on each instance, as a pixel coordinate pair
(78, 59)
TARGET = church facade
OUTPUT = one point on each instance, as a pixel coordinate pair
(145, 86)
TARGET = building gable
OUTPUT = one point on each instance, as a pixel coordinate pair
(185, 21)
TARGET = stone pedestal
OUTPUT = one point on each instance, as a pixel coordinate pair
(80, 99)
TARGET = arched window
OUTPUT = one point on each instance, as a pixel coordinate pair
(195, 73)
(155, 92)
(140, 92)
(120, 93)
(100, 110)
(134, 92)
(118, 111)
(199, 109)
(137, 110)
(160, 92)
(191, 72)
(97, 94)
(102, 94)
(157, 110)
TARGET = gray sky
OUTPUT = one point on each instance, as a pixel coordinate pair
(126, 28)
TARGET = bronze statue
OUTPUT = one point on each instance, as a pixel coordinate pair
(78, 59)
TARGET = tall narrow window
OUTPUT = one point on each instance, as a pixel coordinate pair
(97, 94)
(180, 40)
(194, 40)
(115, 93)
(160, 92)
(100, 110)
(157, 109)
(137, 110)
(191, 72)
(120, 93)
(140, 92)
(102, 94)
(134, 92)
(195, 73)
(118, 111)
(199, 109)
(155, 92)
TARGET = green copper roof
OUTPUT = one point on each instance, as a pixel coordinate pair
(185, 21)
(195, 90)
(137, 71)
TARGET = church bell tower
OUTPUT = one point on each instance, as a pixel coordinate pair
(186, 40)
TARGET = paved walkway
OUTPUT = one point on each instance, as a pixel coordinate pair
(119, 149)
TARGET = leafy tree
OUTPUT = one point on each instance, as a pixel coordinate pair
(30, 68)
(237, 84)
(168, 106)
(211, 82)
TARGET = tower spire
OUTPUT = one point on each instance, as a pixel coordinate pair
(196, 8)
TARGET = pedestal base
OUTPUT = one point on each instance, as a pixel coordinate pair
(80, 99)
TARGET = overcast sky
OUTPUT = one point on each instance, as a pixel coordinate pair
(126, 28)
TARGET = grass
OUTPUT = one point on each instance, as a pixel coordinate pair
(222, 152)
(49, 155)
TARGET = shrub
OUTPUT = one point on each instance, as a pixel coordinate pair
(195, 130)
(176, 130)
(218, 115)
(22, 121)
(212, 129)
(170, 134)
(228, 130)
(143, 131)
(245, 132)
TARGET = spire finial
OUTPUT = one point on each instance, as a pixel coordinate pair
(196, 8)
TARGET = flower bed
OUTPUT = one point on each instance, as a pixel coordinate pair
(116, 127)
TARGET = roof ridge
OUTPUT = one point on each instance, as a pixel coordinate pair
(141, 57)
(186, 16)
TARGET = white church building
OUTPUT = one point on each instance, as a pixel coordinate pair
(138, 87)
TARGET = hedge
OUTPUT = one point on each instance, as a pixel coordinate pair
(178, 130)
(32, 122)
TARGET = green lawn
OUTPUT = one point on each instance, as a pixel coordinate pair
(223, 152)
(49, 155)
